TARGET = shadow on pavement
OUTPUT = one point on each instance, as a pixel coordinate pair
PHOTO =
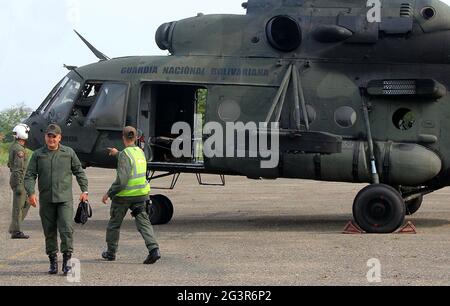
(246, 223)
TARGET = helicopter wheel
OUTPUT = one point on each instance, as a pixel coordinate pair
(413, 205)
(160, 209)
(379, 208)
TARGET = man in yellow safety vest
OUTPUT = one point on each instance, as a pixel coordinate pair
(130, 191)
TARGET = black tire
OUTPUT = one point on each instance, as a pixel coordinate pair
(413, 206)
(161, 209)
(379, 208)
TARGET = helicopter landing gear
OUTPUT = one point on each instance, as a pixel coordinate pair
(160, 209)
(379, 208)
(412, 206)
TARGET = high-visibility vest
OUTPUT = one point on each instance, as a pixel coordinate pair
(137, 184)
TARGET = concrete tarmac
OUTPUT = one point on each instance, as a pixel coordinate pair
(282, 232)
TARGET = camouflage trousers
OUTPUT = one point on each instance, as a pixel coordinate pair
(118, 213)
(57, 217)
(20, 209)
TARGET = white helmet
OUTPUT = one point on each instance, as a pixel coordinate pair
(21, 131)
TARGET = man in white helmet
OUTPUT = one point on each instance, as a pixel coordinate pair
(17, 163)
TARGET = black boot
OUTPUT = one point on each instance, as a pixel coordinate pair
(66, 268)
(53, 264)
(153, 257)
(19, 235)
(108, 256)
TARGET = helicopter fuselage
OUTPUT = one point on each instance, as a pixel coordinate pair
(353, 100)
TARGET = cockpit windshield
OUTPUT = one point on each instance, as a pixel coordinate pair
(60, 101)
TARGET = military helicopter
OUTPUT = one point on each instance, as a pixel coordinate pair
(354, 101)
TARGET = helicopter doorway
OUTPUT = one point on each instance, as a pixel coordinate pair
(161, 107)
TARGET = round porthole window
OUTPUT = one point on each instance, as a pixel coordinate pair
(229, 111)
(345, 117)
(404, 119)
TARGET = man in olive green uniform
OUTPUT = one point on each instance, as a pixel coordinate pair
(53, 165)
(17, 164)
(130, 191)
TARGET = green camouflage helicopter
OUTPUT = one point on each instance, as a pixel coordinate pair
(334, 90)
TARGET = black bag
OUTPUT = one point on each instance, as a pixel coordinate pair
(84, 212)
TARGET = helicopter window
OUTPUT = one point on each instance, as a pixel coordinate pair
(108, 112)
(284, 33)
(88, 97)
(404, 119)
(345, 117)
(229, 111)
(44, 106)
(62, 100)
(84, 103)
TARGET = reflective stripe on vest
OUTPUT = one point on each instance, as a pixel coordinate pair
(137, 184)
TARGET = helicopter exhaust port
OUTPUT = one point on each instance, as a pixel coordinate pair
(284, 33)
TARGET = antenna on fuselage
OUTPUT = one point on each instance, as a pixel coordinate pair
(94, 50)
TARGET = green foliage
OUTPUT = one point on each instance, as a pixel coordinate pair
(4, 153)
(9, 118)
(202, 95)
(4, 147)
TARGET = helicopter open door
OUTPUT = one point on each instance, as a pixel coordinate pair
(162, 106)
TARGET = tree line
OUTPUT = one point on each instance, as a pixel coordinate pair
(9, 118)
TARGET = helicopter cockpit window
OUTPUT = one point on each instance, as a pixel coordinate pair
(108, 112)
(87, 99)
(60, 103)
(84, 103)
(44, 106)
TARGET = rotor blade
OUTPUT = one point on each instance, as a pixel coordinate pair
(97, 53)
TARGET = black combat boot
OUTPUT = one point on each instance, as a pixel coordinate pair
(19, 235)
(53, 264)
(153, 257)
(108, 256)
(66, 268)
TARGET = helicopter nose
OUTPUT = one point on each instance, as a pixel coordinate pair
(35, 139)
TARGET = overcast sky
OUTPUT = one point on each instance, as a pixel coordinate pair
(36, 37)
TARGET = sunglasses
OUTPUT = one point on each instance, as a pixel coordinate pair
(51, 136)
